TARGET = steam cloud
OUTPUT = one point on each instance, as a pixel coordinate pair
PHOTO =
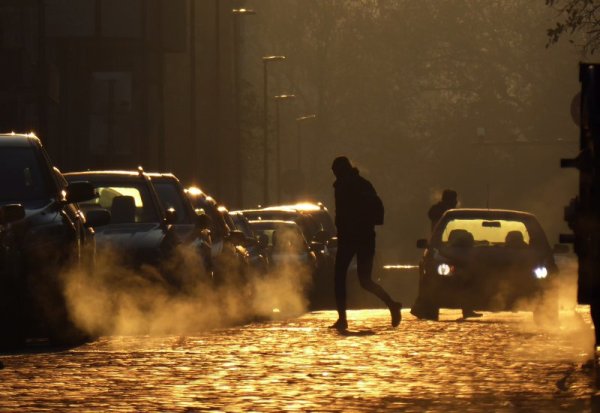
(115, 299)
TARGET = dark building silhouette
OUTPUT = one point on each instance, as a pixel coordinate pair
(117, 84)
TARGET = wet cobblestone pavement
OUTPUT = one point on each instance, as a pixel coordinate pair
(501, 362)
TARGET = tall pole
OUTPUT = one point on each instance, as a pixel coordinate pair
(162, 144)
(266, 60)
(299, 122)
(237, 13)
(218, 136)
(278, 151)
(42, 79)
(193, 101)
(265, 136)
(278, 99)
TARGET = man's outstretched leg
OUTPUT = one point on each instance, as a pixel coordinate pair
(342, 262)
(364, 260)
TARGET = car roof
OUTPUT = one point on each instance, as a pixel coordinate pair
(477, 213)
(273, 222)
(158, 176)
(18, 139)
(101, 175)
(300, 206)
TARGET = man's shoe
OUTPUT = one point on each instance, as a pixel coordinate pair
(340, 325)
(395, 309)
(471, 314)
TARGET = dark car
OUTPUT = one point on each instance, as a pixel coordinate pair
(319, 230)
(190, 224)
(487, 259)
(286, 243)
(43, 233)
(257, 254)
(139, 230)
(317, 211)
(229, 254)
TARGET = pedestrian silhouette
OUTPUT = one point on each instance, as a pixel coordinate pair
(358, 209)
(449, 200)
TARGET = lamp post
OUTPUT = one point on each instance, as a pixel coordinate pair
(278, 99)
(299, 121)
(266, 60)
(236, 87)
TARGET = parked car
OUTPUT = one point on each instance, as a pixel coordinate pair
(229, 255)
(319, 230)
(286, 243)
(317, 211)
(191, 224)
(42, 233)
(257, 252)
(487, 259)
(138, 228)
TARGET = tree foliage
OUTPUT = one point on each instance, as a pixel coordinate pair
(577, 16)
(424, 95)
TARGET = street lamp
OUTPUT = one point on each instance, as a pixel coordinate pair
(299, 121)
(278, 99)
(236, 87)
(266, 60)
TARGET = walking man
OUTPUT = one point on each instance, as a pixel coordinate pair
(357, 210)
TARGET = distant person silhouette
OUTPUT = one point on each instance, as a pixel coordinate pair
(357, 210)
(449, 201)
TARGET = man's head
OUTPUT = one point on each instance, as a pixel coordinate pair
(449, 197)
(341, 166)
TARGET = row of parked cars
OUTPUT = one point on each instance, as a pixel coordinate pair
(51, 221)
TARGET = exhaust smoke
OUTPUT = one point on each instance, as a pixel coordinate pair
(114, 299)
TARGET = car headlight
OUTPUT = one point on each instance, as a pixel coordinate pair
(540, 272)
(445, 269)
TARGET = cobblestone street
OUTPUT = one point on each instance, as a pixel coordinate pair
(501, 362)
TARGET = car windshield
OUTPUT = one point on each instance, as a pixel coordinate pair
(281, 236)
(477, 232)
(22, 175)
(242, 224)
(171, 197)
(127, 202)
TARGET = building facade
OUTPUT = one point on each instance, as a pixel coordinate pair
(118, 84)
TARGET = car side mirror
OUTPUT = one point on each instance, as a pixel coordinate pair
(561, 249)
(422, 243)
(317, 246)
(237, 237)
(11, 213)
(80, 191)
(171, 216)
(202, 221)
(97, 218)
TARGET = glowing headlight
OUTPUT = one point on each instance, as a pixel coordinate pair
(444, 269)
(540, 272)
